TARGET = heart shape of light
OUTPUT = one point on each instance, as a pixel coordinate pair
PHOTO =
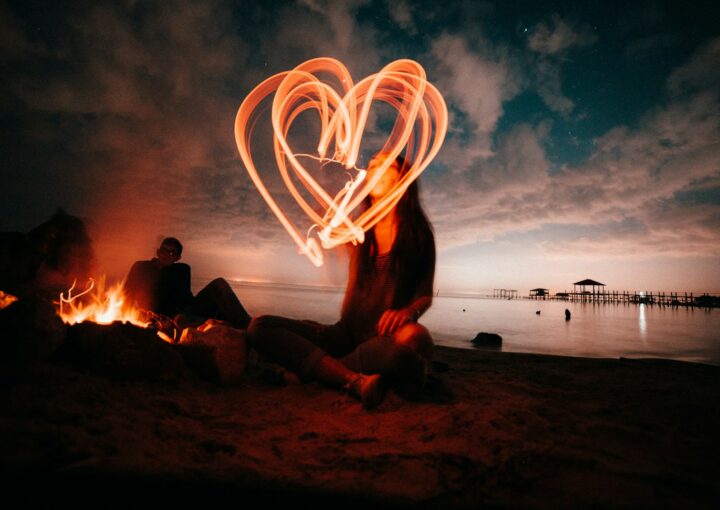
(343, 108)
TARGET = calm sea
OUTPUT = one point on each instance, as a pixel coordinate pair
(608, 331)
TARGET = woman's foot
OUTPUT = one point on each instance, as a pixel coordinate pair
(370, 389)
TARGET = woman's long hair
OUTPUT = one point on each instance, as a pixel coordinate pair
(413, 252)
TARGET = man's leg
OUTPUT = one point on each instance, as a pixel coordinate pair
(286, 342)
(218, 300)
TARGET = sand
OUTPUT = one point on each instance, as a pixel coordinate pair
(490, 429)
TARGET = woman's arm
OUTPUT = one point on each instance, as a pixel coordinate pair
(420, 306)
(391, 320)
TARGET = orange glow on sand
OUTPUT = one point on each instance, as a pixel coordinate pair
(97, 304)
(343, 108)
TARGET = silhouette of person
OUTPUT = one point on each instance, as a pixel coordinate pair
(567, 314)
(46, 260)
(162, 285)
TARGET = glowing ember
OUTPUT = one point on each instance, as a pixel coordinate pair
(6, 299)
(418, 133)
(97, 304)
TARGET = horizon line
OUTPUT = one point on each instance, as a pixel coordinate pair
(453, 291)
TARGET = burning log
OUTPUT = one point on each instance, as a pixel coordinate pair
(120, 351)
(30, 331)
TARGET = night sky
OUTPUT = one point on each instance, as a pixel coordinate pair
(584, 137)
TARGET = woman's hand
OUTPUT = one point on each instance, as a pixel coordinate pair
(391, 320)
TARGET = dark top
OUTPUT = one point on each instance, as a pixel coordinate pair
(366, 301)
(164, 290)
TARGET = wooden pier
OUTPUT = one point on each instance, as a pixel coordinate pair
(598, 294)
(634, 297)
(505, 294)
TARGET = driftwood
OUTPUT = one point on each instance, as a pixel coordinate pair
(120, 351)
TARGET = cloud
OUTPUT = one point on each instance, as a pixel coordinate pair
(136, 105)
(151, 104)
(548, 83)
(477, 82)
(474, 205)
(559, 36)
(551, 41)
(14, 44)
(653, 46)
(700, 72)
(633, 177)
(315, 28)
(124, 111)
(401, 13)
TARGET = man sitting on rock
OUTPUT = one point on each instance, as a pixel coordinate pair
(162, 285)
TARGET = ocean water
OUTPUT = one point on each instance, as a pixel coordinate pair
(595, 330)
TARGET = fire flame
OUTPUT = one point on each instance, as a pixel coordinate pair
(6, 299)
(343, 109)
(97, 304)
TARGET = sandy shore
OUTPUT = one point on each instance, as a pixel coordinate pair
(490, 429)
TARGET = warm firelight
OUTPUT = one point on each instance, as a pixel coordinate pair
(97, 304)
(6, 299)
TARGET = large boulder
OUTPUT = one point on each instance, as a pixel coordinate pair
(120, 351)
(487, 340)
(215, 351)
(30, 331)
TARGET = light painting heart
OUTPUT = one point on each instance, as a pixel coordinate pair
(343, 108)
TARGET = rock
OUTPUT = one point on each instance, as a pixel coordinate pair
(215, 351)
(120, 351)
(487, 340)
(30, 331)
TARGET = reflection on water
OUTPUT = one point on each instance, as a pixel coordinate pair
(642, 322)
(595, 330)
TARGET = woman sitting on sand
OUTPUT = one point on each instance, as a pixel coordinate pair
(390, 285)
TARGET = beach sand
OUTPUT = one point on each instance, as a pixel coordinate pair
(490, 429)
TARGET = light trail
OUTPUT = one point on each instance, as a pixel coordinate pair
(343, 108)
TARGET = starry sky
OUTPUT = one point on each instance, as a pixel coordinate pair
(584, 137)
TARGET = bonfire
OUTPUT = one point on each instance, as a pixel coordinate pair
(96, 303)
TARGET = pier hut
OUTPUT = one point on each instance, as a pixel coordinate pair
(539, 293)
(595, 295)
